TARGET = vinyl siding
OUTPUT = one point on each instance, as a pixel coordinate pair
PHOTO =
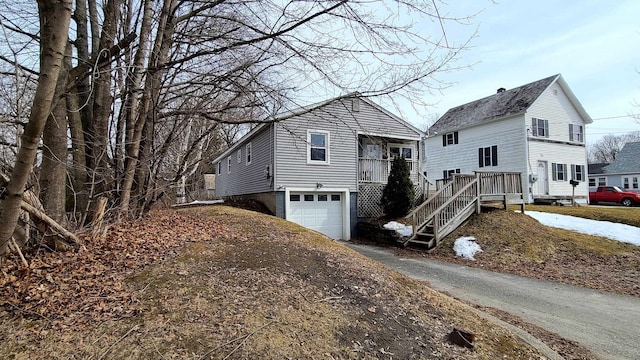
(248, 179)
(507, 134)
(553, 105)
(561, 154)
(343, 126)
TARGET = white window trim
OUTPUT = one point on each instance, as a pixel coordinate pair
(574, 172)
(554, 172)
(545, 126)
(630, 181)
(403, 146)
(576, 136)
(248, 154)
(229, 165)
(327, 147)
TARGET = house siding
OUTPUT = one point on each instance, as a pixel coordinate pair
(554, 106)
(508, 134)
(343, 125)
(560, 154)
(248, 179)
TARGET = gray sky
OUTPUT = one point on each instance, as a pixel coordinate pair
(593, 44)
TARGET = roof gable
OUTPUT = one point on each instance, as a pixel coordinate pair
(627, 161)
(503, 104)
(310, 108)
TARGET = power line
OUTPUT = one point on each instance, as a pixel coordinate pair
(616, 117)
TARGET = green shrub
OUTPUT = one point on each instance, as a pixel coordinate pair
(398, 194)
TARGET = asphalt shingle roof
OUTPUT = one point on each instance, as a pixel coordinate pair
(627, 161)
(508, 102)
(597, 168)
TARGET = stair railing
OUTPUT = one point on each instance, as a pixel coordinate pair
(451, 210)
(422, 214)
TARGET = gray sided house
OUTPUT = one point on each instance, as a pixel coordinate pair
(536, 129)
(623, 172)
(322, 166)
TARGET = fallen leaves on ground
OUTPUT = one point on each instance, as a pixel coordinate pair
(78, 287)
(217, 282)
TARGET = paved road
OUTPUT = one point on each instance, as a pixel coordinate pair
(607, 324)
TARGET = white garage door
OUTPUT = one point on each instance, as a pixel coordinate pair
(318, 211)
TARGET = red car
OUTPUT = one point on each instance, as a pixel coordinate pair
(614, 194)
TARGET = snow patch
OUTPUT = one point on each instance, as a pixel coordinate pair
(402, 229)
(201, 202)
(466, 247)
(614, 231)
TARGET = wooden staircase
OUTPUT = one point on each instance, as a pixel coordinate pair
(457, 200)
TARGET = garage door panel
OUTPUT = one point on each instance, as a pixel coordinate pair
(318, 211)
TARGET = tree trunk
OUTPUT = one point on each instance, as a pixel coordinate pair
(83, 87)
(53, 174)
(54, 29)
(78, 152)
(134, 122)
(102, 102)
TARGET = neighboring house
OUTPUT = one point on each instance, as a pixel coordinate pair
(536, 129)
(322, 166)
(623, 172)
(597, 176)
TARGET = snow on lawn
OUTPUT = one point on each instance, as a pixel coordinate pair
(620, 232)
(402, 229)
(466, 247)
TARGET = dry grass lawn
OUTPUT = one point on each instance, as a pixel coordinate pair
(238, 285)
(518, 244)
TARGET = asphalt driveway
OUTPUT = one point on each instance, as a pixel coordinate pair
(608, 324)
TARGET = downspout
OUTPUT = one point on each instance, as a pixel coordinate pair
(273, 150)
(526, 184)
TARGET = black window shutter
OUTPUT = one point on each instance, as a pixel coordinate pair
(554, 171)
(494, 155)
(444, 140)
(480, 157)
(546, 128)
(570, 132)
(455, 137)
(444, 174)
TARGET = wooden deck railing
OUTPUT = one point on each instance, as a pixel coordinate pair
(377, 171)
(428, 209)
(499, 183)
(454, 200)
(450, 211)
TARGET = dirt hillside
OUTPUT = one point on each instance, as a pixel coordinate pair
(219, 282)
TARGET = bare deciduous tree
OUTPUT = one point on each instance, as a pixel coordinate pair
(607, 148)
(151, 89)
(54, 27)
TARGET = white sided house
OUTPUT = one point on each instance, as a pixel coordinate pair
(623, 172)
(322, 166)
(536, 129)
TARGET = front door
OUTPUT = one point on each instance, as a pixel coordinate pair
(543, 178)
